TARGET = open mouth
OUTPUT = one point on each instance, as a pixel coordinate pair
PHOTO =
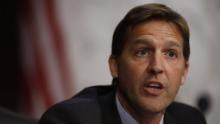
(155, 85)
(153, 88)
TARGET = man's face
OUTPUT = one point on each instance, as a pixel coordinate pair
(151, 67)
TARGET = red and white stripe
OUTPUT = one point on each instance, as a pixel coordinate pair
(46, 71)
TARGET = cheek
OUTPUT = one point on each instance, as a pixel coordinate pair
(130, 76)
(175, 78)
(131, 70)
(175, 71)
(174, 75)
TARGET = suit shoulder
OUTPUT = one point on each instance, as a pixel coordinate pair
(81, 109)
(185, 113)
(9, 117)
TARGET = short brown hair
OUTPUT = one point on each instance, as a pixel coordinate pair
(145, 13)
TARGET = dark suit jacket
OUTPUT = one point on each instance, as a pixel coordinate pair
(96, 105)
(8, 117)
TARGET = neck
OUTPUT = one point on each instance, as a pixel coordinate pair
(150, 119)
(142, 117)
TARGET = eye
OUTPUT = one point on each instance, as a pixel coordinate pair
(142, 52)
(171, 54)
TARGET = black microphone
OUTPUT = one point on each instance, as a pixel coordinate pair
(204, 102)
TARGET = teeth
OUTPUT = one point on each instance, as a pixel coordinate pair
(154, 85)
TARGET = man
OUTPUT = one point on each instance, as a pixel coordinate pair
(8, 117)
(148, 63)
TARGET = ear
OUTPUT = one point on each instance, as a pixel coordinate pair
(113, 65)
(185, 73)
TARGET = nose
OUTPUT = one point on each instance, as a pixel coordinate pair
(156, 64)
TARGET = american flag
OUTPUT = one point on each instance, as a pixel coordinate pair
(46, 71)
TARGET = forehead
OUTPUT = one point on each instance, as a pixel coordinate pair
(155, 31)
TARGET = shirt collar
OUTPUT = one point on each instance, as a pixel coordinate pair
(126, 118)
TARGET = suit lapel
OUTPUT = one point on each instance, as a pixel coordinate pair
(108, 107)
(169, 119)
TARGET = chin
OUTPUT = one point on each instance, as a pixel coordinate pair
(156, 106)
(155, 109)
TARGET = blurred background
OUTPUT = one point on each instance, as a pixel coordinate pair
(51, 49)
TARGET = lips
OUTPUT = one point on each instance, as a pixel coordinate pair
(153, 88)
